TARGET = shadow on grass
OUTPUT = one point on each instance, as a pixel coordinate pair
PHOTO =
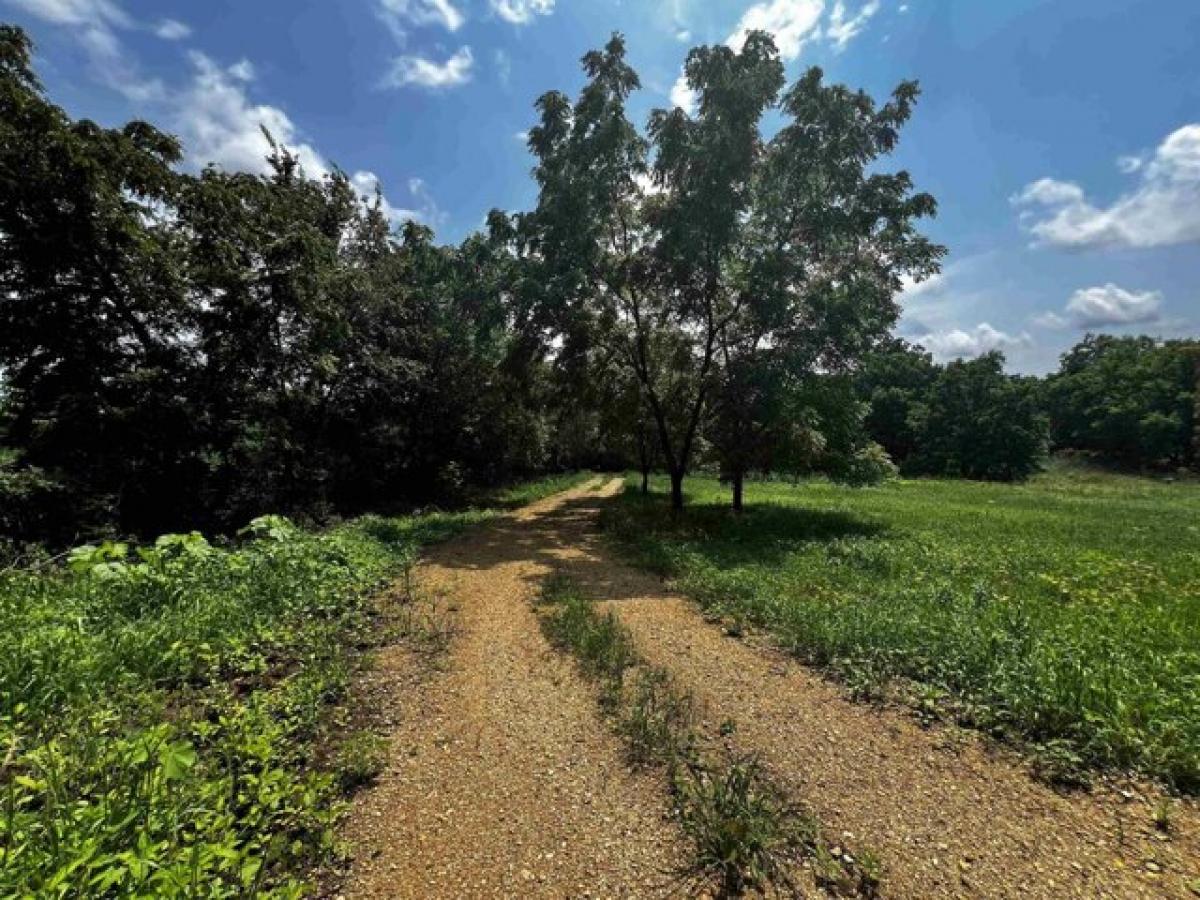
(564, 539)
(764, 533)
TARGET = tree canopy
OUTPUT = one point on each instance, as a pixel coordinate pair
(734, 273)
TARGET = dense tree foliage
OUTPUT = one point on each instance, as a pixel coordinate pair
(967, 419)
(894, 380)
(736, 276)
(1131, 400)
(1125, 401)
(189, 351)
(978, 422)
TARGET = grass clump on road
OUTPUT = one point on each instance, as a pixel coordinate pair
(744, 832)
(1064, 612)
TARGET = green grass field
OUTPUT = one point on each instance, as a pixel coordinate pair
(1064, 611)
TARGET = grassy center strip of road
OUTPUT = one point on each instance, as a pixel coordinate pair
(745, 832)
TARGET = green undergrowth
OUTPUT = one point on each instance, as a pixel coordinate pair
(1063, 613)
(164, 709)
(744, 832)
(531, 491)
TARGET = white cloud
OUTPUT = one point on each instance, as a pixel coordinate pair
(77, 13)
(521, 12)
(912, 289)
(683, 96)
(1048, 192)
(842, 30)
(1130, 164)
(219, 124)
(369, 187)
(398, 14)
(428, 73)
(956, 343)
(1112, 305)
(172, 30)
(791, 22)
(1162, 209)
(96, 24)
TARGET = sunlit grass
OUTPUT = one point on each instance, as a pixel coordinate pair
(1065, 611)
(161, 707)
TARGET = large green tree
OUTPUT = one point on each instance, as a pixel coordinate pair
(92, 302)
(979, 422)
(718, 263)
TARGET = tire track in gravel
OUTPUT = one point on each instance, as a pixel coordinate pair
(502, 780)
(947, 817)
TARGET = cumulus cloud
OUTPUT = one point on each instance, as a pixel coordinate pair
(1106, 305)
(841, 29)
(521, 12)
(219, 124)
(911, 289)
(791, 22)
(172, 30)
(683, 96)
(1162, 209)
(424, 72)
(957, 343)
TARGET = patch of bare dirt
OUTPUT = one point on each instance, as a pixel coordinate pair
(504, 782)
(502, 779)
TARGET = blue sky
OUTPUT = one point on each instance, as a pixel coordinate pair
(1061, 137)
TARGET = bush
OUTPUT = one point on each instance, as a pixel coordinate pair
(159, 707)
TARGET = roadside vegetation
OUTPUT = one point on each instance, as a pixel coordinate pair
(1064, 612)
(163, 708)
(745, 833)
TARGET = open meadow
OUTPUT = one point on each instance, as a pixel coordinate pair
(1065, 611)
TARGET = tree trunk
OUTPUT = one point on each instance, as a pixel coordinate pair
(738, 478)
(676, 490)
(645, 480)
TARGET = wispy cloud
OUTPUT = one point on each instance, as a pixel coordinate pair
(842, 29)
(172, 30)
(400, 15)
(96, 24)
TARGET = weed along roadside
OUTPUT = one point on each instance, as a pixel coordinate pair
(744, 832)
(171, 716)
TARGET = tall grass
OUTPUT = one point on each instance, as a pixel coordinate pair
(1065, 611)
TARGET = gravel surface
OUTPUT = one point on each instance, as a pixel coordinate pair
(503, 781)
(947, 816)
